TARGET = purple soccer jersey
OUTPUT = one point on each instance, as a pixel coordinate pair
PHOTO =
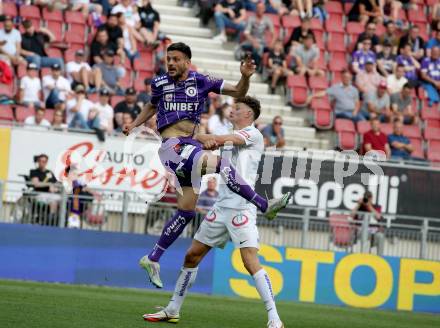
(407, 62)
(432, 68)
(182, 100)
(362, 57)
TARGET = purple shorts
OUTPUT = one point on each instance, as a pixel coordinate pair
(179, 156)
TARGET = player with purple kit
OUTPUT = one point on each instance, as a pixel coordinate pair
(178, 98)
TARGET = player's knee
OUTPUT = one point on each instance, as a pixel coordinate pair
(192, 259)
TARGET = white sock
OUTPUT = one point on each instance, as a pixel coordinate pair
(264, 287)
(184, 282)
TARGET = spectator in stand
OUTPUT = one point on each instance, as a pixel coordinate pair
(304, 7)
(56, 88)
(219, 122)
(344, 98)
(364, 11)
(30, 88)
(150, 22)
(410, 64)
(58, 120)
(105, 111)
(369, 79)
(38, 119)
(386, 60)
(298, 35)
(255, 33)
(390, 11)
(430, 74)
(10, 43)
(401, 105)
(100, 44)
(129, 41)
(114, 31)
(416, 42)
(397, 80)
(208, 197)
(51, 4)
(111, 74)
(80, 72)
(86, 7)
(361, 56)
(400, 145)
(33, 45)
(127, 106)
(435, 17)
(369, 33)
(129, 10)
(144, 96)
(390, 37)
(277, 65)
(376, 102)
(274, 133)
(375, 140)
(306, 58)
(433, 42)
(229, 14)
(44, 183)
(126, 119)
(79, 109)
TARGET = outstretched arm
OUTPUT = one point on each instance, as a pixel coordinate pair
(247, 68)
(212, 141)
(147, 112)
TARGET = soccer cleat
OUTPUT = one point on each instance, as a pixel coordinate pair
(275, 324)
(153, 270)
(162, 315)
(275, 205)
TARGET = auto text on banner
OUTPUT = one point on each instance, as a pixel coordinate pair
(324, 277)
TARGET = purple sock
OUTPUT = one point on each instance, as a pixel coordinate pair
(237, 184)
(171, 231)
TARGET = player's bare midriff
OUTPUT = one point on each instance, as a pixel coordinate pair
(184, 128)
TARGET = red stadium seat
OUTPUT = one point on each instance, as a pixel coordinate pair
(343, 231)
(144, 63)
(45, 71)
(316, 25)
(289, 22)
(321, 103)
(54, 53)
(10, 9)
(52, 15)
(30, 12)
(322, 118)
(148, 74)
(412, 131)
(93, 97)
(433, 153)
(418, 148)
(334, 7)
(432, 124)
(6, 113)
(337, 62)
(347, 140)
(428, 113)
(421, 93)
(69, 55)
(49, 114)
(417, 16)
(126, 82)
(57, 29)
(139, 85)
(318, 83)
(344, 125)
(354, 28)
(386, 128)
(336, 42)
(347, 7)
(432, 134)
(296, 81)
(115, 100)
(362, 127)
(78, 31)
(75, 17)
(334, 24)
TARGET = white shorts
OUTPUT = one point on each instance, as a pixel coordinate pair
(222, 224)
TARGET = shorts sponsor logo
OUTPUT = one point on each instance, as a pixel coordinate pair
(211, 216)
(191, 91)
(240, 220)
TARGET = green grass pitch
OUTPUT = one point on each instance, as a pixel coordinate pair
(28, 305)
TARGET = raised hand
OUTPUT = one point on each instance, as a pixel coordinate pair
(248, 66)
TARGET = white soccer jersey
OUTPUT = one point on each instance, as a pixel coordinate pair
(245, 159)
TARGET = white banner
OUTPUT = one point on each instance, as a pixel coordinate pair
(120, 163)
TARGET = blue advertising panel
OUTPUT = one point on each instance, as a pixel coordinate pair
(89, 257)
(359, 280)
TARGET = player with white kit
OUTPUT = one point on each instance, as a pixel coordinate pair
(232, 217)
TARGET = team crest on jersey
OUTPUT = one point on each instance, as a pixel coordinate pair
(168, 97)
(191, 91)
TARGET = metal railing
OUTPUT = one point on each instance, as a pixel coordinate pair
(300, 227)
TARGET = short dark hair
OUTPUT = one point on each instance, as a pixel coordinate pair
(182, 47)
(400, 65)
(408, 86)
(252, 103)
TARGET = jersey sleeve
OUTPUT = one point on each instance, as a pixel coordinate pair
(214, 84)
(155, 93)
(249, 135)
